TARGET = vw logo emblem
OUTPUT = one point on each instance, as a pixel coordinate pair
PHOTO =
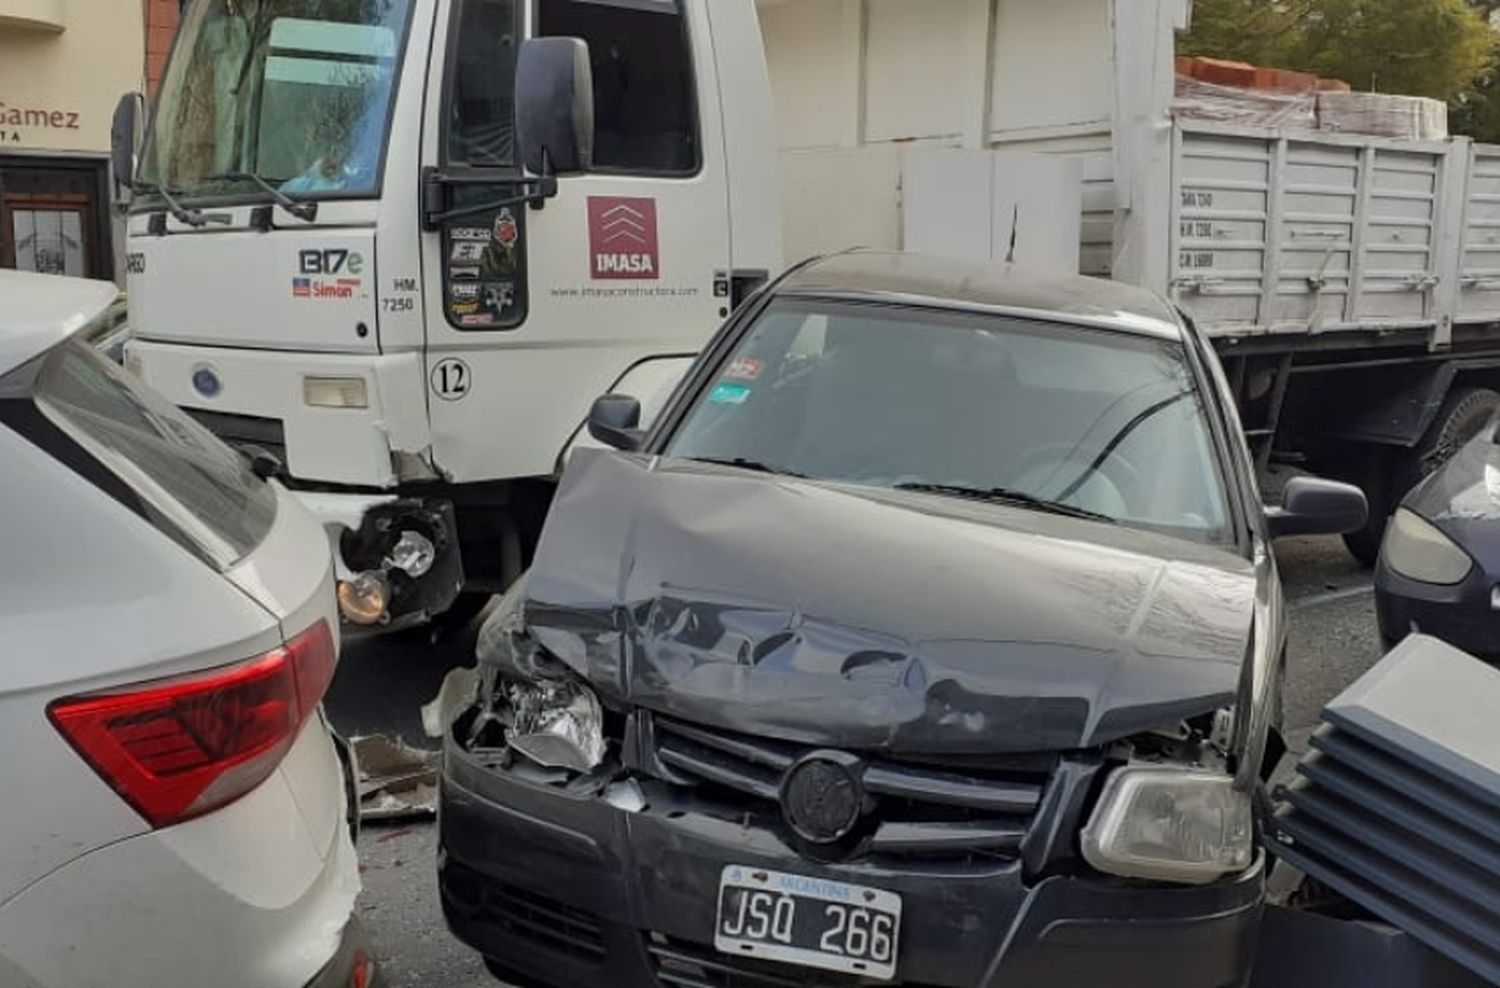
(206, 382)
(822, 798)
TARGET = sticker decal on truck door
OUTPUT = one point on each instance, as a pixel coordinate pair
(484, 264)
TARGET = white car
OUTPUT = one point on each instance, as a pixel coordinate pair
(172, 803)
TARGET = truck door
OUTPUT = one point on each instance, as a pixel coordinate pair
(533, 312)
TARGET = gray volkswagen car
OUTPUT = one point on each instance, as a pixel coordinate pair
(929, 636)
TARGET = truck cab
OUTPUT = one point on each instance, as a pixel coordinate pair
(392, 248)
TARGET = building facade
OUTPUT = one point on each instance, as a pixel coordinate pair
(64, 64)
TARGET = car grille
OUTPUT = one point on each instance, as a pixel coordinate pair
(685, 965)
(1391, 835)
(921, 811)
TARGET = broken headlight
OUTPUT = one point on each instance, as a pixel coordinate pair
(557, 724)
(1170, 824)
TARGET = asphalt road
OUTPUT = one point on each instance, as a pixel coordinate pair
(382, 682)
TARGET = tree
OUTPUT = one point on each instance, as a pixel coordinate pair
(1437, 48)
(1253, 31)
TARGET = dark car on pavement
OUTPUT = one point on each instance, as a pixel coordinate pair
(929, 636)
(1439, 567)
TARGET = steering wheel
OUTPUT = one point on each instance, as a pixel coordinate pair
(1057, 466)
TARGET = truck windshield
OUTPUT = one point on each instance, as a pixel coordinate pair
(295, 92)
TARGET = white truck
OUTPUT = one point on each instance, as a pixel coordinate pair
(1351, 283)
(392, 249)
(351, 256)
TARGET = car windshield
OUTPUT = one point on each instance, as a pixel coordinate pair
(295, 92)
(1063, 417)
(184, 474)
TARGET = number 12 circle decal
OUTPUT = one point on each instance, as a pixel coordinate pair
(451, 379)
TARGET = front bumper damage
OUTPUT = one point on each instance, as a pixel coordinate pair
(583, 876)
(563, 888)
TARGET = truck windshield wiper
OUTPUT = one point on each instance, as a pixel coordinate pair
(307, 212)
(746, 464)
(185, 215)
(1001, 495)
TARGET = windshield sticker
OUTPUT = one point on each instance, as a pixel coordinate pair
(730, 394)
(623, 240)
(745, 369)
(478, 233)
(467, 252)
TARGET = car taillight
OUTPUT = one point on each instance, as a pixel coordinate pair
(179, 748)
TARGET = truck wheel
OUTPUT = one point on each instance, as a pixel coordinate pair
(1464, 414)
(1369, 468)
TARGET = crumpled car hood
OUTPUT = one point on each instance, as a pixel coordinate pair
(878, 620)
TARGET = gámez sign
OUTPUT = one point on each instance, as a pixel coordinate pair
(15, 119)
(622, 238)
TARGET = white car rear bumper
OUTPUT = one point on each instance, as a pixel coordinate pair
(256, 895)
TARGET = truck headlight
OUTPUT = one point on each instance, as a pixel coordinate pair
(335, 392)
(1170, 824)
(1417, 550)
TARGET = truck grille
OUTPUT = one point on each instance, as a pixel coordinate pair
(919, 811)
(1392, 835)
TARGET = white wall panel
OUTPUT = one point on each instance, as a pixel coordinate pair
(915, 83)
(1052, 65)
(805, 56)
(841, 198)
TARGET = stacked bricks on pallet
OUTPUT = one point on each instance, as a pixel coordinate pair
(1237, 92)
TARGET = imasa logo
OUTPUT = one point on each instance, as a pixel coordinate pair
(622, 238)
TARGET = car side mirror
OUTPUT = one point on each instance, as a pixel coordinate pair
(1313, 506)
(125, 140)
(615, 420)
(555, 106)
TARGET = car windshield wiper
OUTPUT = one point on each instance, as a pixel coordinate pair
(307, 212)
(1001, 495)
(746, 464)
(1120, 437)
(185, 215)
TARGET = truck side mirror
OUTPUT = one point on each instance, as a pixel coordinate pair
(1312, 506)
(555, 106)
(615, 421)
(125, 139)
